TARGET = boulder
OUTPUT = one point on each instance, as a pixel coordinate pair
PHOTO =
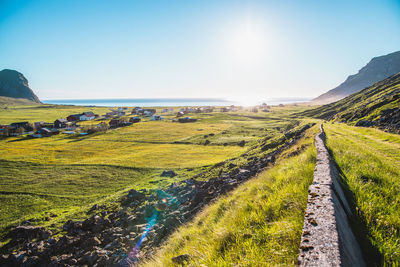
(242, 143)
(29, 232)
(168, 173)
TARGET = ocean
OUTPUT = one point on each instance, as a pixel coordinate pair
(167, 102)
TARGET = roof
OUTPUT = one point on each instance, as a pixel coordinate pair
(89, 113)
(45, 130)
(61, 120)
(19, 123)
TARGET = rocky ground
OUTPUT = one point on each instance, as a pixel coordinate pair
(145, 219)
(389, 121)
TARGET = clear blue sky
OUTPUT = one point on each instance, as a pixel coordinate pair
(230, 49)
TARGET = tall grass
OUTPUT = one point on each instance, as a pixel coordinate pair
(258, 224)
(370, 162)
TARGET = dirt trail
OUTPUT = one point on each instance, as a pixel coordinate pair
(327, 238)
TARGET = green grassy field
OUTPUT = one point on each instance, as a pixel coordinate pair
(48, 113)
(50, 180)
(259, 223)
(370, 162)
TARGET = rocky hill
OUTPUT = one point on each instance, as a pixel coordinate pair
(13, 84)
(376, 70)
(377, 105)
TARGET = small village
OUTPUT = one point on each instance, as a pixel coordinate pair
(116, 118)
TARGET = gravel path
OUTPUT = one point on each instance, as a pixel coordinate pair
(327, 238)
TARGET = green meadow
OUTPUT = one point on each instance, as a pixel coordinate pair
(370, 163)
(50, 180)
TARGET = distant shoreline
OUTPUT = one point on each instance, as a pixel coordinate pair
(168, 102)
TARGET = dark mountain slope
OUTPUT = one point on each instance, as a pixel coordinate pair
(377, 105)
(14, 84)
(376, 70)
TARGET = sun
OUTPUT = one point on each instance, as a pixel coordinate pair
(248, 42)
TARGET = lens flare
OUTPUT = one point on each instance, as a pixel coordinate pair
(165, 200)
(131, 259)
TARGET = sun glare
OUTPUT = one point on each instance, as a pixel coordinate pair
(248, 42)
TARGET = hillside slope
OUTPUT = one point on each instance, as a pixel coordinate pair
(377, 69)
(11, 101)
(258, 224)
(377, 105)
(14, 84)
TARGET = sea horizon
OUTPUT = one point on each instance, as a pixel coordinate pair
(170, 102)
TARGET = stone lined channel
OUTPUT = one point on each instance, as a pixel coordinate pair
(327, 238)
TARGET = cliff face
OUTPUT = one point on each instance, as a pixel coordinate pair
(378, 69)
(14, 84)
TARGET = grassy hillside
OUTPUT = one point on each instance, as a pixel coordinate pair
(376, 105)
(259, 222)
(370, 162)
(46, 194)
(10, 101)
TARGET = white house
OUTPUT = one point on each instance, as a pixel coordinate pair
(87, 116)
(156, 118)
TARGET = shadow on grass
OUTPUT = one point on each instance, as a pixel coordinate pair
(21, 139)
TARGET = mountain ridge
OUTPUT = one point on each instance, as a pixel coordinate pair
(377, 105)
(377, 69)
(14, 84)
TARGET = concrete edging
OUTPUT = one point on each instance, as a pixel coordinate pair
(327, 238)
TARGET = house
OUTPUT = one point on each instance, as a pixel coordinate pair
(60, 123)
(134, 119)
(25, 125)
(73, 117)
(42, 124)
(71, 126)
(121, 113)
(186, 119)
(7, 130)
(208, 109)
(13, 131)
(42, 132)
(122, 108)
(38, 124)
(232, 108)
(167, 110)
(156, 118)
(149, 112)
(114, 123)
(180, 114)
(111, 114)
(136, 110)
(87, 116)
